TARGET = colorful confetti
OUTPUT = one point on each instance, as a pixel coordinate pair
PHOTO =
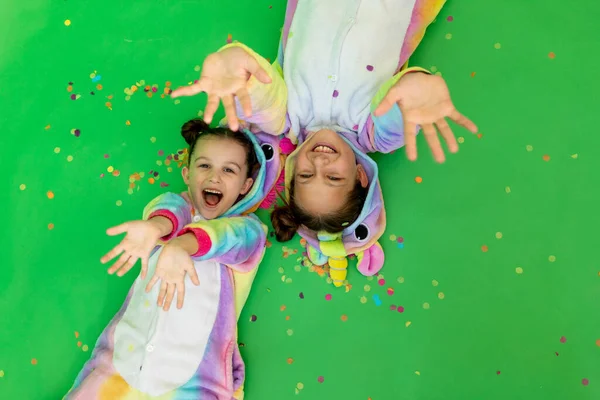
(328, 297)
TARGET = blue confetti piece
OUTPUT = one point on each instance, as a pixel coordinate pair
(377, 300)
(96, 78)
(400, 245)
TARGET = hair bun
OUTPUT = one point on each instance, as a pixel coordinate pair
(284, 223)
(191, 129)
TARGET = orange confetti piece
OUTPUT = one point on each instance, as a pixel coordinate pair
(162, 96)
(134, 88)
(551, 55)
(167, 84)
(109, 97)
(50, 226)
(79, 344)
(50, 194)
(484, 248)
(99, 86)
(290, 361)
(229, 38)
(69, 88)
(418, 179)
(282, 308)
(473, 74)
(47, 127)
(151, 181)
(128, 122)
(344, 318)
(149, 94)
(479, 135)
(598, 342)
(34, 361)
(116, 172)
(546, 157)
(108, 104)
(76, 334)
(287, 318)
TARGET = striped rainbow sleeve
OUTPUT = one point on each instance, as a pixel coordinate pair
(173, 207)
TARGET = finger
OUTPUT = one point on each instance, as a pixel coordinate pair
(386, 104)
(170, 294)
(116, 230)
(193, 275)
(162, 293)
(118, 249)
(144, 267)
(463, 121)
(255, 69)
(180, 294)
(151, 284)
(410, 140)
(229, 105)
(211, 107)
(447, 134)
(434, 142)
(130, 263)
(190, 90)
(246, 103)
(122, 260)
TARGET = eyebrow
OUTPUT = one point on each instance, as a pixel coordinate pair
(327, 182)
(227, 162)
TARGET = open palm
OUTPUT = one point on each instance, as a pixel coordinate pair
(425, 101)
(225, 74)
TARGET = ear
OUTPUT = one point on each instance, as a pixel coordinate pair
(361, 176)
(247, 186)
(185, 173)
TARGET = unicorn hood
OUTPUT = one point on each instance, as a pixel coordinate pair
(359, 237)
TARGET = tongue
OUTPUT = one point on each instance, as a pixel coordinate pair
(211, 199)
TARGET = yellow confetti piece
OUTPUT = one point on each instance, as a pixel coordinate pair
(498, 235)
(130, 191)
(1, 373)
(128, 123)
(84, 347)
(448, 36)
(119, 203)
(507, 189)
(197, 68)
(367, 288)
(110, 169)
(283, 278)
(380, 276)
(439, 73)
(426, 306)
(574, 156)
(67, 22)
(407, 324)
(50, 226)
(280, 270)
(363, 299)
(300, 386)
(434, 282)
(519, 270)
(529, 147)
(552, 258)
(433, 68)
(153, 139)
(290, 332)
(393, 238)
(418, 373)
(69, 158)
(57, 150)
(177, 101)
(400, 279)
(441, 295)
(288, 280)
(460, 140)
(22, 186)
(130, 348)
(369, 278)
(497, 46)
(200, 113)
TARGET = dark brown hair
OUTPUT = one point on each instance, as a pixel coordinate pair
(196, 128)
(287, 219)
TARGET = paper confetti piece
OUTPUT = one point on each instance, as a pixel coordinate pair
(498, 235)
(519, 270)
(497, 46)
(50, 194)
(484, 248)
(320, 379)
(407, 324)
(1, 373)
(563, 339)
(551, 55)
(328, 297)
(79, 343)
(552, 258)
(473, 74)
(363, 299)
(441, 296)
(50, 226)
(381, 282)
(546, 157)
(418, 373)
(434, 283)
(290, 361)
(497, 372)
(400, 309)
(598, 342)
(377, 300)
(448, 36)
(84, 347)
(400, 279)
(418, 179)
(460, 140)
(344, 318)
(119, 203)
(507, 189)
(426, 306)
(34, 361)
(253, 318)
(290, 332)
(390, 291)
(67, 22)
(22, 186)
(450, 18)
(585, 381)
(574, 156)
(300, 386)
(529, 147)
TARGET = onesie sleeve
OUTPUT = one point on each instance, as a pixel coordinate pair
(269, 101)
(385, 133)
(238, 242)
(172, 206)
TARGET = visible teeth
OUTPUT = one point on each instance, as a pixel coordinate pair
(324, 149)
(212, 191)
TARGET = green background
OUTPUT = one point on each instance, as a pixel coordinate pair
(496, 334)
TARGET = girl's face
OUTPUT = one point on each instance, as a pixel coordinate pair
(325, 173)
(217, 175)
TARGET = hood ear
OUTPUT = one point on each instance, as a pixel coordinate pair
(361, 176)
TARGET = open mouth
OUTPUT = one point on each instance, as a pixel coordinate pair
(212, 197)
(324, 148)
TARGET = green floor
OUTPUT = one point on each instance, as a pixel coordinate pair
(520, 320)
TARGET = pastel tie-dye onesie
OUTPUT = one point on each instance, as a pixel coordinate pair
(337, 60)
(146, 353)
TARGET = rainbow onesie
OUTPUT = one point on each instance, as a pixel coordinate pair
(146, 353)
(337, 60)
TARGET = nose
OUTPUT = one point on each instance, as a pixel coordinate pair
(214, 177)
(320, 159)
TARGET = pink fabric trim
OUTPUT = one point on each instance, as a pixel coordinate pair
(171, 217)
(204, 242)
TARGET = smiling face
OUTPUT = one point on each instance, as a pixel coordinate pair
(325, 173)
(217, 175)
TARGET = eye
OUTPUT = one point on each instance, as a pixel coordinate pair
(305, 176)
(203, 166)
(361, 232)
(268, 150)
(228, 170)
(334, 178)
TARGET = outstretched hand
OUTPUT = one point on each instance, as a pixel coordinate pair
(425, 100)
(225, 74)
